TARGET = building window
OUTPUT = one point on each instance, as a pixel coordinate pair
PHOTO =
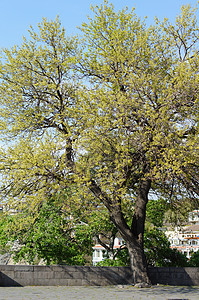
(98, 253)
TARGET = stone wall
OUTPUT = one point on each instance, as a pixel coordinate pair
(15, 275)
(175, 276)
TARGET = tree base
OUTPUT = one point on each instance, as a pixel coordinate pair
(142, 285)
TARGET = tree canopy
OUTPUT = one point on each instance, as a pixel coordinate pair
(114, 113)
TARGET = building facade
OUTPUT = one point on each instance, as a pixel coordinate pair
(186, 239)
(100, 253)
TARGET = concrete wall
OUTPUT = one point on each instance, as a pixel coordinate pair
(17, 275)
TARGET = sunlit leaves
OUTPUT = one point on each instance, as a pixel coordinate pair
(104, 113)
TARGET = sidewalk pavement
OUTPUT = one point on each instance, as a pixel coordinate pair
(103, 293)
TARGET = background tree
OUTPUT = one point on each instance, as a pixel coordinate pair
(158, 251)
(194, 260)
(56, 234)
(128, 128)
(155, 213)
(52, 235)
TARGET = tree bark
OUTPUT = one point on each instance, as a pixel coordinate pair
(136, 245)
(134, 236)
(138, 262)
(138, 221)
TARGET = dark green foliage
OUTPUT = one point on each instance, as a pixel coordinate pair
(157, 247)
(194, 260)
(122, 259)
(158, 251)
(57, 239)
(51, 237)
(155, 212)
(4, 238)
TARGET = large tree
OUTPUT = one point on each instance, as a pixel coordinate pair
(113, 114)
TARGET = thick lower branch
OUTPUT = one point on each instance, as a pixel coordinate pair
(114, 208)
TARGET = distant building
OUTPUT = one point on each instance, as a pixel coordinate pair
(185, 240)
(99, 251)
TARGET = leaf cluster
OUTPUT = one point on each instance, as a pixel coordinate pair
(50, 236)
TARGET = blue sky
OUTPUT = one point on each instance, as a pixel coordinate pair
(17, 15)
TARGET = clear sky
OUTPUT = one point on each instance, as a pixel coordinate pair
(17, 15)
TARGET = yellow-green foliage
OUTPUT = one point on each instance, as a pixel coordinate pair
(104, 112)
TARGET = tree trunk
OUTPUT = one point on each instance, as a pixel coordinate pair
(138, 262)
(136, 245)
(135, 236)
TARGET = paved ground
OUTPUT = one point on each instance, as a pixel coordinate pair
(103, 293)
